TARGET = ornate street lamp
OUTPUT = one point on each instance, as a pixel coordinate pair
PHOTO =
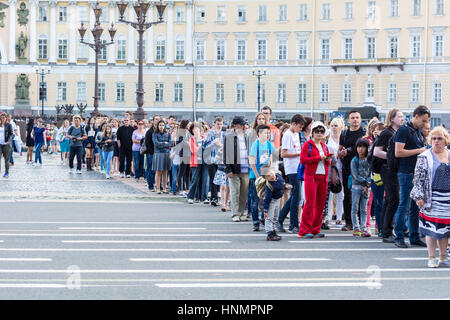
(97, 45)
(42, 71)
(141, 8)
(259, 73)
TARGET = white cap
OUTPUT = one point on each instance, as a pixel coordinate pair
(317, 124)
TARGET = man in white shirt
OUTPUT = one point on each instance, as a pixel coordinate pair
(290, 152)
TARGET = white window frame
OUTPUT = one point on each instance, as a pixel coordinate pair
(439, 7)
(302, 93)
(392, 50)
(302, 49)
(83, 14)
(261, 50)
(159, 92)
(199, 92)
(122, 49)
(262, 13)
(371, 9)
(120, 91)
(241, 15)
(63, 44)
(346, 92)
(160, 52)
(348, 10)
(178, 92)
(437, 92)
(347, 54)
(179, 49)
(180, 14)
(392, 92)
(324, 93)
(322, 47)
(101, 91)
(371, 47)
(326, 12)
(282, 49)
(303, 12)
(220, 92)
(438, 46)
(240, 93)
(200, 14)
(241, 50)
(62, 91)
(416, 8)
(42, 14)
(282, 13)
(200, 46)
(62, 14)
(43, 47)
(369, 92)
(281, 92)
(81, 91)
(393, 8)
(222, 54)
(221, 14)
(414, 92)
(416, 46)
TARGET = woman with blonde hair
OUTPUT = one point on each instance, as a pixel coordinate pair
(336, 127)
(431, 187)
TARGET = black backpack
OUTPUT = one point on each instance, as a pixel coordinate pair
(371, 158)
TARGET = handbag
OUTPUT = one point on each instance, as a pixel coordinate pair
(143, 148)
(335, 188)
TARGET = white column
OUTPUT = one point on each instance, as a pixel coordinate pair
(169, 58)
(33, 39)
(12, 31)
(131, 40)
(72, 38)
(89, 33)
(150, 56)
(189, 34)
(52, 55)
(112, 47)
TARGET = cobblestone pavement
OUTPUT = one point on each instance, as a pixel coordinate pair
(52, 182)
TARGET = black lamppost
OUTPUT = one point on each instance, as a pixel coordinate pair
(259, 73)
(97, 45)
(141, 8)
(42, 71)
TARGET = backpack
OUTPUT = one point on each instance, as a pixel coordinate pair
(370, 157)
(392, 160)
(301, 167)
(260, 185)
(349, 183)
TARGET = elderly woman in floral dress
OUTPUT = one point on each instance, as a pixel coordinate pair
(431, 192)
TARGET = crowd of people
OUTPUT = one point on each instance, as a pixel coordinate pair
(395, 174)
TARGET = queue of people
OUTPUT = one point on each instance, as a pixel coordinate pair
(392, 174)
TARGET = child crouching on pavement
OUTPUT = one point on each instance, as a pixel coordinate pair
(273, 193)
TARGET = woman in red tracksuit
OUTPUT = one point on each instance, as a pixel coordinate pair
(316, 159)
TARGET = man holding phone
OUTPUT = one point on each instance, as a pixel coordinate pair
(346, 153)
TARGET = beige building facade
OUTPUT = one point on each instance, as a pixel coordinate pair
(318, 56)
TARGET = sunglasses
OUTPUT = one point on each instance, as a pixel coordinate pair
(320, 131)
(140, 124)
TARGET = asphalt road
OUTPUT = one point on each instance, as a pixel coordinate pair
(163, 250)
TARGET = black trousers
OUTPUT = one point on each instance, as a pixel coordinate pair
(391, 199)
(183, 177)
(347, 198)
(212, 169)
(125, 153)
(75, 151)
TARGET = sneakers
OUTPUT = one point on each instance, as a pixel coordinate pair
(401, 244)
(190, 201)
(325, 226)
(6, 176)
(390, 239)
(243, 218)
(445, 263)
(306, 236)
(357, 233)
(433, 263)
(128, 176)
(347, 228)
(235, 218)
(78, 171)
(206, 202)
(256, 227)
(293, 230)
(279, 227)
(365, 234)
(272, 236)
(108, 177)
(70, 171)
(121, 175)
(319, 235)
(419, 243)
(214, 203)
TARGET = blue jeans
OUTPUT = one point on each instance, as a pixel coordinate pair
(149, 173)
(37, 152)
(11, 160)
(107, 156)
(102, 160)
(199, 173)
(377, 205)
(359, 202)
(406, 207)
(138, 164)
(175, 169)
(254, 201)
(292, 204)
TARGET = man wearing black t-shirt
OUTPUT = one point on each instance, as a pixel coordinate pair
(394, 120)
(124, 134)
(346, 153)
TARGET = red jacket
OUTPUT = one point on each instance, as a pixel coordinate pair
(313, 160)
